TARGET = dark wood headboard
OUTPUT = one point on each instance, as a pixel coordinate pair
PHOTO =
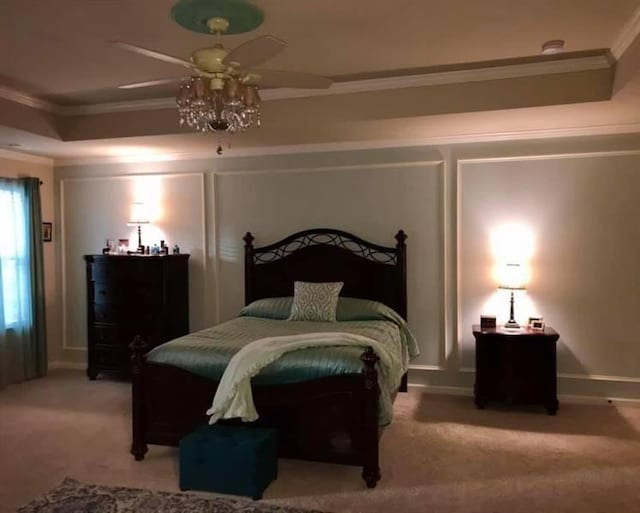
(368, 271)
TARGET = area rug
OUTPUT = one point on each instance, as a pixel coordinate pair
(72, 496)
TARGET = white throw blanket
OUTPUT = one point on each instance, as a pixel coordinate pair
(234, 397)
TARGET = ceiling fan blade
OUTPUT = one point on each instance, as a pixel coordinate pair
(149, 83)
(152, 53)
(255, 52)
(293, 79)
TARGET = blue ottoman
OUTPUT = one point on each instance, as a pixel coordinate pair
(232, 459)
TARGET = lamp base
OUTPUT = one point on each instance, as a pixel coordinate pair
(511, 324)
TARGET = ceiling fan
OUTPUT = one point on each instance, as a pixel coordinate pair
(221, 91)
(216, 62)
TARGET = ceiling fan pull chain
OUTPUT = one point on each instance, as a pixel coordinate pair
(220, 142)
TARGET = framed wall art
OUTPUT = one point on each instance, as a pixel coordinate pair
(47, 232)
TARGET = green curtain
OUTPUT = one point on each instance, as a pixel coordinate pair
(23, 344)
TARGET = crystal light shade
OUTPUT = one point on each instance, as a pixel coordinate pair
(221, 104)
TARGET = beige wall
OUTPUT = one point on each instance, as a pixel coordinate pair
(582, 212)
(575, 195)
(373, 202)
(97, 208)
(14, 165)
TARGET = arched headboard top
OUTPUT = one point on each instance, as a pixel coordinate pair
(368, 270)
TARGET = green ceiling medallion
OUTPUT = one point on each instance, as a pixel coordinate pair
(194, 15)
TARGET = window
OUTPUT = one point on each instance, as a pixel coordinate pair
(14, 270)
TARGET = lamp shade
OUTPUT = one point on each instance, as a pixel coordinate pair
(139, 214)
(512, 276)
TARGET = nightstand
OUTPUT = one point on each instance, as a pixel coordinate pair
(516, 366)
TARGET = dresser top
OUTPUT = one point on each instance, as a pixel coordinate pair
(135, 256)
(523, 331)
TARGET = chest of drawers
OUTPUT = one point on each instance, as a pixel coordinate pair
(133, 295)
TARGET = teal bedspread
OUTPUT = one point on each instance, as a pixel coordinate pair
(207, 352)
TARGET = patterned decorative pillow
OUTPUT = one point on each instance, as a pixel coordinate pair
(315, 301)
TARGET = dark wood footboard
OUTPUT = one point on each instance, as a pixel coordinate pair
(332, 419)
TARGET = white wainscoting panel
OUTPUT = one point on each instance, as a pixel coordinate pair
(94, 209)
(372, 202)
(583, 211)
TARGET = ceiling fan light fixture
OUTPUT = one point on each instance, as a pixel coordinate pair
(200, 87)
(233, 108)
(251, 96)
(217, 84)
(218, 24)
(232, 88)
(222, 93)
(219, 126)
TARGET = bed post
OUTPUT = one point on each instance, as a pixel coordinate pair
(401, 246)
(248, 267)
(371, 466)
(138, 349)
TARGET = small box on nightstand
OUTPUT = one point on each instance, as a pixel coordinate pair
(487, 321)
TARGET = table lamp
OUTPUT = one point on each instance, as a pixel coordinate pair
(139, 217)
(511, 277)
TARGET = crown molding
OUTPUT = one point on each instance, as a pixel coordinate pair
(24, 99)
(497, 72)
(128, 106)
(516, 135)
(576, 64)
(627, 35)
(26, 157)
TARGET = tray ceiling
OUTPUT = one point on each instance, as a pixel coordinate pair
(59, 75)
(59, 51)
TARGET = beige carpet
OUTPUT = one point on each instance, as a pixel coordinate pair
(440, 455)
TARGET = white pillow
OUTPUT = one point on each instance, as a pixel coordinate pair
(315, 301)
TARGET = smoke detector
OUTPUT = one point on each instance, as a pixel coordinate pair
(553, 46)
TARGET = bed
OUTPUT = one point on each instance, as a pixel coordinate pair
(331, 418)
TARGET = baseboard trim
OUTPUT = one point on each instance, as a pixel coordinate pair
(563, 398)
(572, 388)
(438, 381)
(67, 365)
(586, 399)
(437, 389)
